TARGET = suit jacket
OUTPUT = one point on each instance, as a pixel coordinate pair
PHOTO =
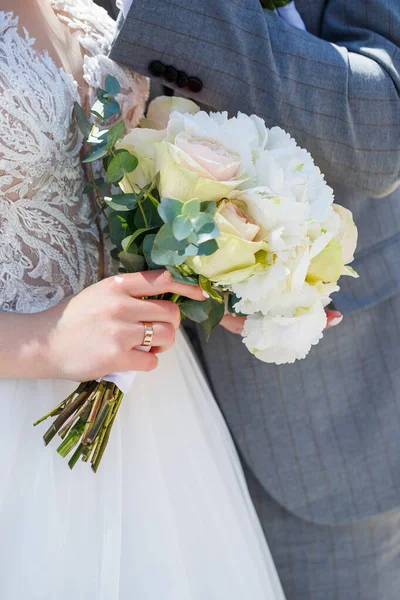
(322, 435)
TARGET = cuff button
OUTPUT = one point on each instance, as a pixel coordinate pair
(182, 79)
(195, 85)
(157, 68)
(171, 74)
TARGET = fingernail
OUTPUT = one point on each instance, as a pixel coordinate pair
(335, 321)
(205, 294)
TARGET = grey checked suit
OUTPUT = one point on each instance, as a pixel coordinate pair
(320, 439)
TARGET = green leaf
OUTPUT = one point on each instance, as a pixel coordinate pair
(207, 248)
(209, 208)
(106, 110)
(191, 208)
(181, 278)
(203, 221)
(118, 227)
(112, 86)
(147, 246)
(181, 227)
(191, 250)
(169, 209)
(216, 314)
(208, 313)
(164, 257)
(121, 163)
(232, 300)
(122, 202)
(153, 219)
(83, 121)
(206, 285)
(98, 152)
(133, 263)
(111, 136)
(166, 239)
(126, 242)
(166, 247)
(195, 310)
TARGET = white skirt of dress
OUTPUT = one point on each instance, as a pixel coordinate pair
(167, 517)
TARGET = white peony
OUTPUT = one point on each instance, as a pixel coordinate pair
(279, 340)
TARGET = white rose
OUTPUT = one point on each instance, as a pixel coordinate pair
(162, 107)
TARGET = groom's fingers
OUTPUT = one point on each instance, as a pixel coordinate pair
(235, 324)
(333, 318)
(154, 283)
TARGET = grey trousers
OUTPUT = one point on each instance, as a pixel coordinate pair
(358, 561)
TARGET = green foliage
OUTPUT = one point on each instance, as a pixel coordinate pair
(189, 230)
(148, 232)
(121, 163)
(208, 313)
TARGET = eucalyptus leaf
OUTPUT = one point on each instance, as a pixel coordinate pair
(195, 310)
(104, 110)
(181, 278)
(111, 108)
(205, 237)
(98, 152)
(133, 263)
(118, 227)
(164, 257)
(122, 202)
(191, 208)
(111, 136)
(147, 246)
(191, 250)
(207, 248)
(126, 242)
(121, 163)
(201, 221)
(112, 86)
(169, 209)
(84, 123)
(181, 227)
(216, 314)
(166, 239)
(209, 208)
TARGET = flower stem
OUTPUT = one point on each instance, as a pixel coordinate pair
(102, 444)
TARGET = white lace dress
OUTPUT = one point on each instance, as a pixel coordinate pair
(168, 516)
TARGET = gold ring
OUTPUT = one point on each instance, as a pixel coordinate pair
(148, 334)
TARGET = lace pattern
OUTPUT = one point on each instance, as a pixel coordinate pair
(49, 246)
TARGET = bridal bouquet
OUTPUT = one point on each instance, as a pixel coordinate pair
(224, 203)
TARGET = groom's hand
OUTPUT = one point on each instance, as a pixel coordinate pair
(234, 324)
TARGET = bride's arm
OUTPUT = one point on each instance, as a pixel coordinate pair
(95, 332)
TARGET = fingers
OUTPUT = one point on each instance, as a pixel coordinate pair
(233, 323)
(153, 283)
(163, 336)
(333, 318)
(136, 360)
(157, 310)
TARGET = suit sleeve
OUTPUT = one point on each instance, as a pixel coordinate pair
(339, 96)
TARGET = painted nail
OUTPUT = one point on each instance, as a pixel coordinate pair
(335, 321)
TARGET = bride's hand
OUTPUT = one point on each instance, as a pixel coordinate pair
(96, 331)
(235, 324)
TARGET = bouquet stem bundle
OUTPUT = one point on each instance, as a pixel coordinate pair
(84, 421)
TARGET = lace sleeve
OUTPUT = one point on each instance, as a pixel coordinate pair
(96, 30)
(47, 248)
